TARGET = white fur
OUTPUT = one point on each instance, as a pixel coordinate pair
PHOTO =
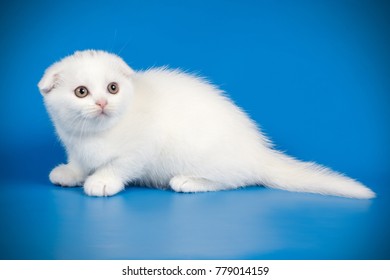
(165, 128)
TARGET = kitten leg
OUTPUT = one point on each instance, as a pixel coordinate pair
(67, 175)
(195, 184)
(103, 183)
(111, 178)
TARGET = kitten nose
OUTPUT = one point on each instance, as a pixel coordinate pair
(102, 103)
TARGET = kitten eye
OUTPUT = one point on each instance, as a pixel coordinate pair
(113, 88)
(81, 92)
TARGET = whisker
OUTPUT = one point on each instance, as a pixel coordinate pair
(76, 120)
(125, 45)
(82, 128)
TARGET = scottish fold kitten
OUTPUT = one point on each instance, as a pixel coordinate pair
(166, 129)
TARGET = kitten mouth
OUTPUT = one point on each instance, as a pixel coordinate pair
(100, 114)
(103, 114)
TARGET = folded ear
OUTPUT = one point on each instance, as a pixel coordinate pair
(50, 79)
(126, 70)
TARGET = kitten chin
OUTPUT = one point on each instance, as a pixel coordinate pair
(165, 128)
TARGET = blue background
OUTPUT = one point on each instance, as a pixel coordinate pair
(314, 74)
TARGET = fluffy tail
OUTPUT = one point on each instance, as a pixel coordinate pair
(284, 172)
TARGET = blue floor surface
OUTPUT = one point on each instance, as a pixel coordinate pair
(40, 221)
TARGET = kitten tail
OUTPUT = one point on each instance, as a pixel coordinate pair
(287, 173)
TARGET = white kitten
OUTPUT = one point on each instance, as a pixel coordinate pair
(164, 128)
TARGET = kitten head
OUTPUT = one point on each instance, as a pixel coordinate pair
(88, 91)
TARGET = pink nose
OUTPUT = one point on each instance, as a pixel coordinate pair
(102, 103)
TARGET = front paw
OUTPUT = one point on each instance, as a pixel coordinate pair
(99, 185)
(65, 176)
